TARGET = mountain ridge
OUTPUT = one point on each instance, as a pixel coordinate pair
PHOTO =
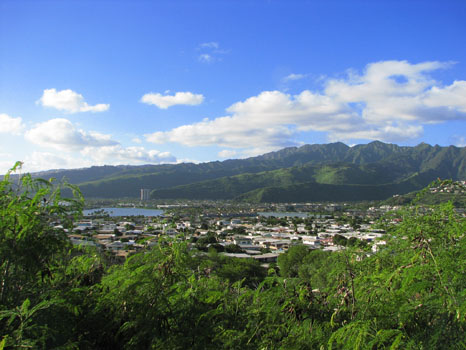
(333, 164)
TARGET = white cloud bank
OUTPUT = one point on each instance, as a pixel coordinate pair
(130, 155)
(79, 148)
(69, 101)
(62, 135)
(10, 125)
(390, 101)
(179, 98)
(226, 153)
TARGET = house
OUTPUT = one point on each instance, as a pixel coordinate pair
(376, 246)
(242, 240)
(266, 258)
(280, 244)
(105, 237)
(311, 241)
(83, 226)
(81, 240)
(117, 245)
(235, 222)
(170, 231)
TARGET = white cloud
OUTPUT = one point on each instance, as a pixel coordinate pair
(39, 161)
(210, 52)
(62, 135)
(6, 165)
(205, 57)
(210, 45)
(390, 101)
(388, 133)
(117, 154)
(136, 140)
(292, 77)
(89, 156)
(6, 162)
(188, 160)
(451, 97)
(165, 101)
(69, 101)
(459, 141)
(10, 125)
(225, 132)
(227, 153)
(130, 155)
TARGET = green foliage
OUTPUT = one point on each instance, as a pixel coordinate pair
(290, 261)
(30, 246)
(233, 248)
(340, 240)
(410, 294)
(22, 331)
(32, 250)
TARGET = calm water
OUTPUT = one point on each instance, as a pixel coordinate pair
(126, 211)
(283, 214)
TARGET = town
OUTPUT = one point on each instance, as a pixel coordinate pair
(241, 230)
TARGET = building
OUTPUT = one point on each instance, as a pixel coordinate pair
(145, 194)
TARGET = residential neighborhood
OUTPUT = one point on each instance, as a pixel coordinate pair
(262, 236)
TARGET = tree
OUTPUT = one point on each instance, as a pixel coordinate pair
(33, 246)
(340, 240)
(411, 294)
(31, 241)
(290, 261)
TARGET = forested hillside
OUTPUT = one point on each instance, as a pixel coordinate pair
(410, 294)
(396, 169)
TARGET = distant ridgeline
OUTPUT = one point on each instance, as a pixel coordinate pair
(329, 172)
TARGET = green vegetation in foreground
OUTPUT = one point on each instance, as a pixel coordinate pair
(411, 294)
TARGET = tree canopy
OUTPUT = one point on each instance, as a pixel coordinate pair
(410, 294)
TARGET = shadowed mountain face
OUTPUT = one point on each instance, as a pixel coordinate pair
(330, 172)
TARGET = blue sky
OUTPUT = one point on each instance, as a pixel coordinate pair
(135, 82)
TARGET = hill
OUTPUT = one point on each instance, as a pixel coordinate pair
(364, 171)
(440, 192)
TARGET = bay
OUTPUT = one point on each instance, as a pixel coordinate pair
(125, 211)
(283, 214)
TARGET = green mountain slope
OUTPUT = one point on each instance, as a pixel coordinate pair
(311, 183)
(374, 164)
(318, 192)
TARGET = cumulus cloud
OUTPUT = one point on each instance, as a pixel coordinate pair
(79, 148)
(224, 132)
(389, 101)
(69, 101)
(179, 98)
(38, 161)
(89, 156)
(6, 161)
(10, 125)
(62, 135)
(6, 165)
(451, 97)
(226, 153)
(131, 155)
